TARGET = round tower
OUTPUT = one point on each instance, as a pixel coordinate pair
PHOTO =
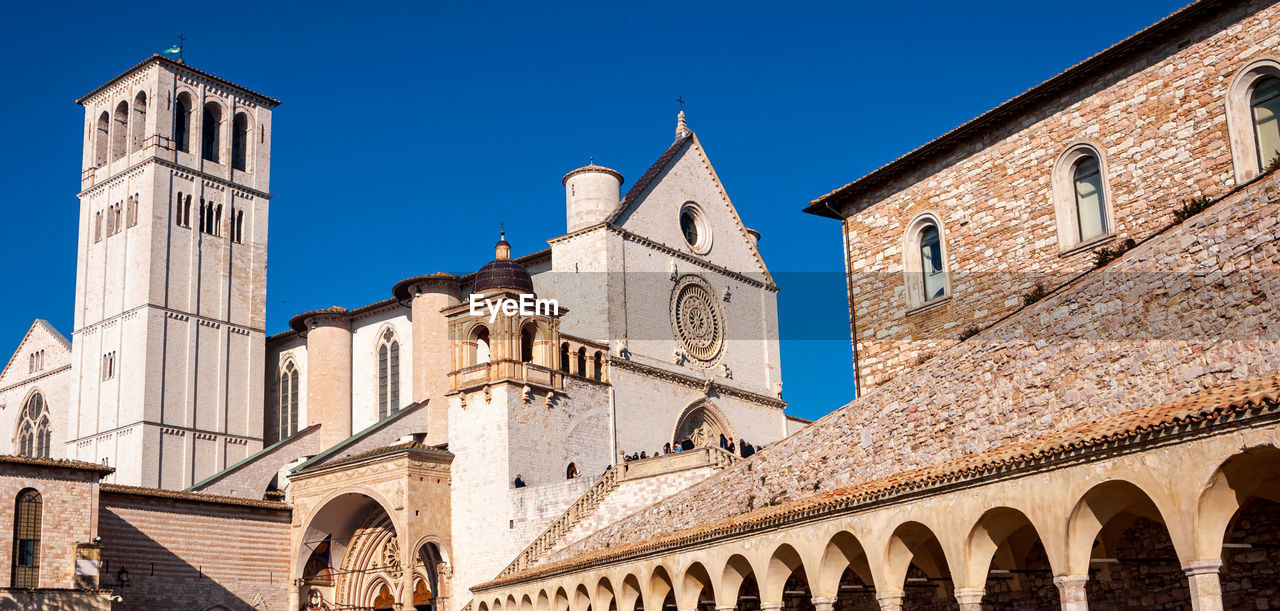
(591, 194)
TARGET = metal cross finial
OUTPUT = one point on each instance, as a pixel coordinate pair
(680, 101)
(502, 231)
(591, 160)
(182, 41)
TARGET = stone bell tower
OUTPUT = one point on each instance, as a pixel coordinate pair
(168, 344)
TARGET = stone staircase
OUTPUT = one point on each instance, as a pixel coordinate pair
(553, 536)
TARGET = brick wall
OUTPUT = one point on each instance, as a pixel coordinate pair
(1186, 311)
(193, 554)
(1159, 122)
(69, 516)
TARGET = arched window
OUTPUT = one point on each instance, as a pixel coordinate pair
(564, 358)
(33, 428)
(139, 122)
(210, 128)
(1091, 204)
(97, 226)
(131, 215)
(1081, 198)
(237, 226)
(482, 346)
(288, 400)
(119, 131)
(388, 374)
(182, 123)
(925, 262)
(27, 518)
(598, 372)
(582, 362)
(1264, 103)
(240, 141)
(528, 339)
(101, 138)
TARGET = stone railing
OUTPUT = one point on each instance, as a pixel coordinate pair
(591, 499)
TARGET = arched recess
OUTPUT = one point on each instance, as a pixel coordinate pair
(1079, 183)
(240, 142)
(783, 563)
(916, 566)
(737, 571)
(1117, 535)
(924, 261)
(526, 603)
(629, 597)
(561, 600)
(701, 424)
(483, 606)
(1238, 522)
(694, 586)
(603, 597)
(581, 598)
(357, 528)
(843, 570)
(431, 560)
(1247, 154)
(182, 123)
(478, 350)
(533, 344)
(138, 123)
(661, 590)
(101, 139)
(543, 602)
(211, 132)
(120, 131)
(1008, 559)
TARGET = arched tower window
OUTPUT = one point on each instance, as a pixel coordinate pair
(33, 428)
(210, 128)
(564, 358)
(483, 353)
(528, 339)
(131, 214)
(925, 262)
(27, 518)
(388, 374)
(598, 370)
(101, 138)
(1081, 200)
(119, 131)
(139, 122)
(582, 362)
(288, 400)
(182, 123)
(97, 226)
(240, 141)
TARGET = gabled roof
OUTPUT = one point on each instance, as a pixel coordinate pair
(267, 101)
(38, 323)
(337, 448)
(1007, 113)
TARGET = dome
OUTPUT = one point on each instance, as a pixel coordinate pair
(503, 273)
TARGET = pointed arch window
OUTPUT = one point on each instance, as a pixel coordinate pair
(182, 123)
(240, 141)
(119, 131)
(138, 123)
(33, 428)
(210, 128)
(101, 137)
(388, 374)
(288, 400)
(27, 518)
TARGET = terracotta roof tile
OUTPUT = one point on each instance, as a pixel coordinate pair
(1203, 408)
(198, 497)
(60, 463)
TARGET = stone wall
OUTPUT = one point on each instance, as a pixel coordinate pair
(188, 553)
(1189, 310)
(69, 517)
(1159, 122)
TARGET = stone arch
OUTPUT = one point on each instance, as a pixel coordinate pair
(1244, 147)
(120, 130)
(581, 598)
(1064, 194)
(376, 594)
(561, 600)
(843, 552)
(1004, 555)
(629, 595)
(661, 585)
(737, 569)
(101, 139)
(706, 419)
(526, 603)
(478, 348)
(483, 606)
(913, 261)
(138, 122)
(1098, 506)
(542, 602)
(336, 518)
(603, 595)
(511, 603)
(784, 561)
(915, 556)
(694, 585)
(1238, 526)
(1252, 473)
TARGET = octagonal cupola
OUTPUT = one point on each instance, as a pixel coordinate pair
(502, 273)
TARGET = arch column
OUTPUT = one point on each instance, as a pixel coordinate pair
(1071, 592)
(770, 606)
(890, 602)
(1206, 589)
(822, 604)
(970, 599)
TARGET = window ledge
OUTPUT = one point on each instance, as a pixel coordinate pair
(929, 305)
(1090, 245)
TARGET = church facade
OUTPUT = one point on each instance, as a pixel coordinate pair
(421, 442)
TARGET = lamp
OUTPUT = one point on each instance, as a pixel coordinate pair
(314, 599)
(122, 577)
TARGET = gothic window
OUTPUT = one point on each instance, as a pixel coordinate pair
(210, 126)
(598, 373)
(132, 212)
(33, 428)
(182, 211)
(925, 262)
(26, 539)
(1081, 203)
(182, 123)
(240, 141)
(101, 138)
(97, 226)
(388, 374)
(210, 218)
(288, 400)
(139, 121)
(119, 131)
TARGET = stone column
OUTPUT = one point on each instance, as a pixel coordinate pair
(970, 599)
(731, 608)
(1071, 592)
(770, 606)
(1206, 589)
(823, 604)
(891, 601)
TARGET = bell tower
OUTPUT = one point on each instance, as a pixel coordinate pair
(170, 308)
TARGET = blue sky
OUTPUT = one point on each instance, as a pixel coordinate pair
(402, 119)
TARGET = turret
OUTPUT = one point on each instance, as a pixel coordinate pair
(591, 194)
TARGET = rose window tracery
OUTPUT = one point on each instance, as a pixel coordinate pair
(696, 317)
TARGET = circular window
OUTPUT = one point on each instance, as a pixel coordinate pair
(698, 323)
(693, 226)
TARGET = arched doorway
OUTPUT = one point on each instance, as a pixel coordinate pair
(700, 426)
(349, 553)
